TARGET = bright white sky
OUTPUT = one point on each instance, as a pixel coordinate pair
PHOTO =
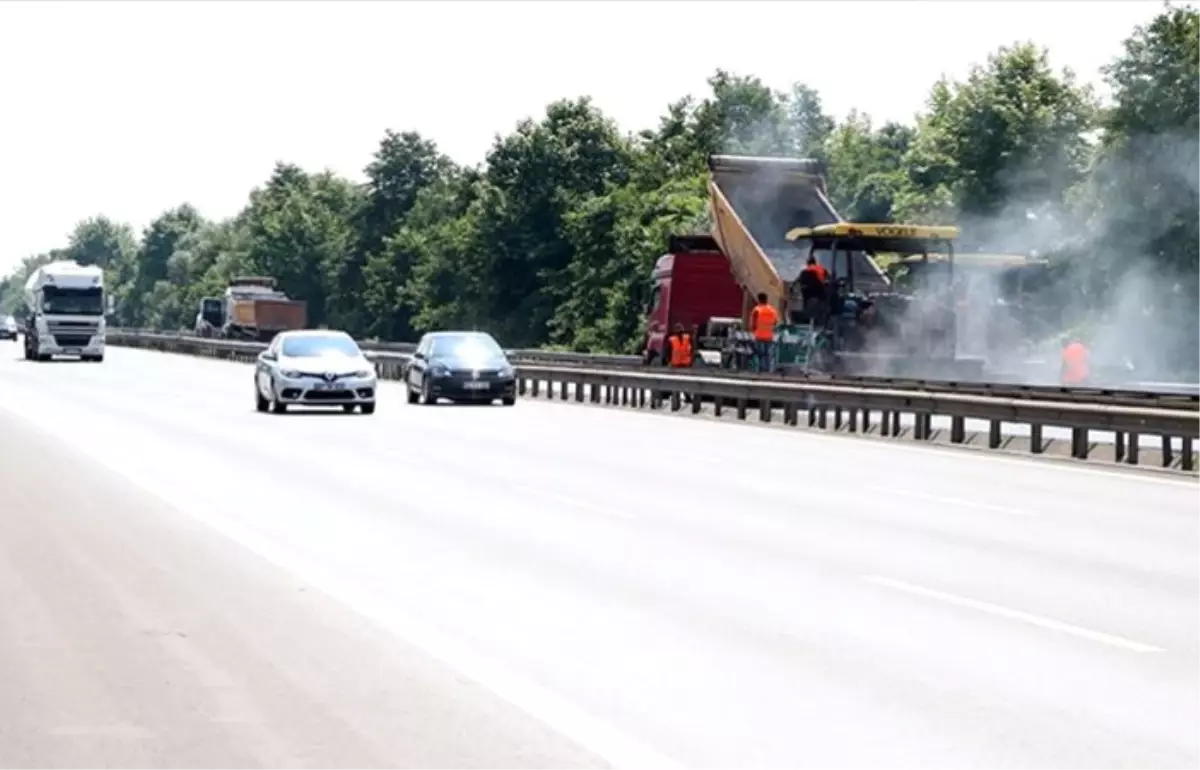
(130, 108)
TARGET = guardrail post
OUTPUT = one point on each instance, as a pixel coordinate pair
(675, 401)
(764, 409)
(522, 385)
(696, 401)
(958, 430)
(534, 387)
(579, 388)
(564, 390)
(994, 434)
(896, 423)
(812, 417)
(837, 418)
(1119, 446)
(718, 405)
(1035, 438)
(741, 408)
(1135, 447)
(919, 426)
(1167, 452)
(866, 421)
(885, 423)
(790, 413)
(1187, 461)
(852, 422)
(822, 418)
(1079, 443)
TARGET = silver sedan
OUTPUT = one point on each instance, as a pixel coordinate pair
(314, 368)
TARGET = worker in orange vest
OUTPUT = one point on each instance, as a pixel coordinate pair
(1075, 370)
(763, 319)
(679, 348)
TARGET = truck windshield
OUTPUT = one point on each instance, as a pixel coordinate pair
(61, 301)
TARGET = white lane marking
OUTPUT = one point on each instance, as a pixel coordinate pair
(571, 501)
(1011, 614)
(558, 713)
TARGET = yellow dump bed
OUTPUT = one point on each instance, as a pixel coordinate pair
(755, 202)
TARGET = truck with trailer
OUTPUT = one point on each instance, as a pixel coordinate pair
(66, 306)
(252, 308)
(759, 209)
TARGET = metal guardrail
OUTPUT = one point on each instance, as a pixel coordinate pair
(1091, 395)
(851, 409)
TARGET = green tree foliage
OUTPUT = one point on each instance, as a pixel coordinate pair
(551, 240)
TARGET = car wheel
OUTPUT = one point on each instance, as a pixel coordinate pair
(277, 406)
(413, 396)
(260, 403)
(348, 408)
(368, 408)
(426, 397)
(508, 401)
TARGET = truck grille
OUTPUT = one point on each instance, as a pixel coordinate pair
(72, 340)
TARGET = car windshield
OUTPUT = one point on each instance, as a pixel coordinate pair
(473, 348)
(315, 346)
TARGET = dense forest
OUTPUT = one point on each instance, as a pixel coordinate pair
(550, 240)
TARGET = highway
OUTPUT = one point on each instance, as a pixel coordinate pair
(186, 582)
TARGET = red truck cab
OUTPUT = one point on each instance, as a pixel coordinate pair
(690, 285)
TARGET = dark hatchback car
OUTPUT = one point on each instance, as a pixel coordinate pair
(460, 367)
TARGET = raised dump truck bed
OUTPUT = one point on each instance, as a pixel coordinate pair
(755, 202)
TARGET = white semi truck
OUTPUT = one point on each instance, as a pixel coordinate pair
(66, 312)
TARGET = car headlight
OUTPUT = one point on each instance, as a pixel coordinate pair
(362, 373)
(505, 372)
(439, 371)
(291, 374)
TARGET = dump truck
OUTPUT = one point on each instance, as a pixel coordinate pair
(755, 203)
(251, 308)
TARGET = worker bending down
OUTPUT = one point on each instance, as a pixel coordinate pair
(763, 320)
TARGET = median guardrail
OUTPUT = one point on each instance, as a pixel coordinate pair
(844, 408)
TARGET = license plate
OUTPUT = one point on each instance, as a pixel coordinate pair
(475, 385)
(320, 386)
(72, 351)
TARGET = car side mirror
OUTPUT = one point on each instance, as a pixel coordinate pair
(419, 356)
(266, 355)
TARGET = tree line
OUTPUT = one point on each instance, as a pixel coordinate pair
(549, 242)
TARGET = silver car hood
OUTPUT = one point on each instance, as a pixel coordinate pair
(318, 365)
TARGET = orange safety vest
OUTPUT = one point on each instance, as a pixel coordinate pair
(820, 270)
(1075, 363)
(681, 350)
(762, 322)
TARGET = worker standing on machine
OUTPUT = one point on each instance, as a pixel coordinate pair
(814, 291)
(1075, 360)
(679, 348)
(763, 320)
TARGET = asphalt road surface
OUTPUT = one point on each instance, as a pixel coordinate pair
(186, 582)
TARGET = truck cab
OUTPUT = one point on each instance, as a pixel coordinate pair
(66, 305)
(690, 285)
